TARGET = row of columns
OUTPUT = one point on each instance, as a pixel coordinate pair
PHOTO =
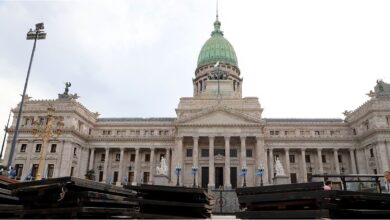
(320, 164)
(121, 160)
(260, 157)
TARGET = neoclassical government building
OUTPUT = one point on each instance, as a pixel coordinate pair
(216, 130)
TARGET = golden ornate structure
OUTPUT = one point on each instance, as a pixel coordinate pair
(51, 129)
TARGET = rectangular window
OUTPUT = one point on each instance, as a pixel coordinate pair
(388, 120)
(340, 158)
(132, 157)
(147, 157)
(323, 158)
(189, 152)
(272, 132)
(249, 153)
(53, 148)
(371, 152)
(34, 170)
(233, 152)
(75, 152)
(152, 132)
(23, 148)
(38, 148)
(50, 170)
(137, 132)
(307, 158)
(204, 152)
(106, 132)
(317, 133)
(146, 177)
(103, 157)
(292, 158)
(71, 171)
(130, 177)
(115, 177)
(354, 131)
(19, 170)
(117, 157)
(100, 176)
(375, 171)
(219, 152)
(293, 177)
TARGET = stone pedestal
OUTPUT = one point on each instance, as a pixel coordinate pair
(278, 180)
(161, 180)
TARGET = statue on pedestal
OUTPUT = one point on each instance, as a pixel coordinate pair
(163, 168)
(279, 168)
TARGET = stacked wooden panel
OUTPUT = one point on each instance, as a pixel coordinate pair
(70, 197)
(304, 200)
(8, 203)
(173, 202)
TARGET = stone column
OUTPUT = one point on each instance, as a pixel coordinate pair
(336, 160)
(261, 159)
(211, 163)
(353, 162)
(304, 171)
(136, 167)
(271, 165)
(243, 152)
(91, 159)
(179, 154)
(195, 157)
(227, 184)
(105, 176)
(120, 172)
(168, 160)
(152, 166)
(287, 162)
(383, 160)
(320, 165)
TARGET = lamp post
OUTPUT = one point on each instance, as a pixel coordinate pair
(194, 169)
(46, 132)
(5, 135)
(244, 171)
(260, 172)
(37, 34)
(178, 169)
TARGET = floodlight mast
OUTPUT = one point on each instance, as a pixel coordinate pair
(37, 34)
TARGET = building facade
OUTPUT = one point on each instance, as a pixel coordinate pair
(217, 131)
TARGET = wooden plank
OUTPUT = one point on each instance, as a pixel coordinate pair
(280, 188)
(111, 202)
(272, 197)
(286, 214)
(173, 204)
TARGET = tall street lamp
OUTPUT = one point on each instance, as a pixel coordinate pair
(5, 135)
(194, 169)
(37, 34)
(178, 169)
(52, 128)
(260, 172)
(244, 171)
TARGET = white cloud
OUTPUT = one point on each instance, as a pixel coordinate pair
(301, 58)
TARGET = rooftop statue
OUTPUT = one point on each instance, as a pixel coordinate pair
(163, 168)
(67, 85)
(66, 94)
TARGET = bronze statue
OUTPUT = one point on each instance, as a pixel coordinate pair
(67, 85)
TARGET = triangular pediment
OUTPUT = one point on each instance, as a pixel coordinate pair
(219, 117)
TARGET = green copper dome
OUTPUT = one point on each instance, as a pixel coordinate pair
(217, 48)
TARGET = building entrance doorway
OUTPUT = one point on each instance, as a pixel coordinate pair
(205, 177)
(218, 177)
(233, 177)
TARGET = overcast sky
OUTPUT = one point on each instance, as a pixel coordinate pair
(136, 58)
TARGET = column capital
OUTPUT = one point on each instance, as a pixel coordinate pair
(319, 149)
(152, 149)
(107, 148)
(335, 150)
(227, 138)
(122, 149)
(243, 137)
(303, 150)
(351, 149)
(211, 137)
(179, 138)
(286, 149)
